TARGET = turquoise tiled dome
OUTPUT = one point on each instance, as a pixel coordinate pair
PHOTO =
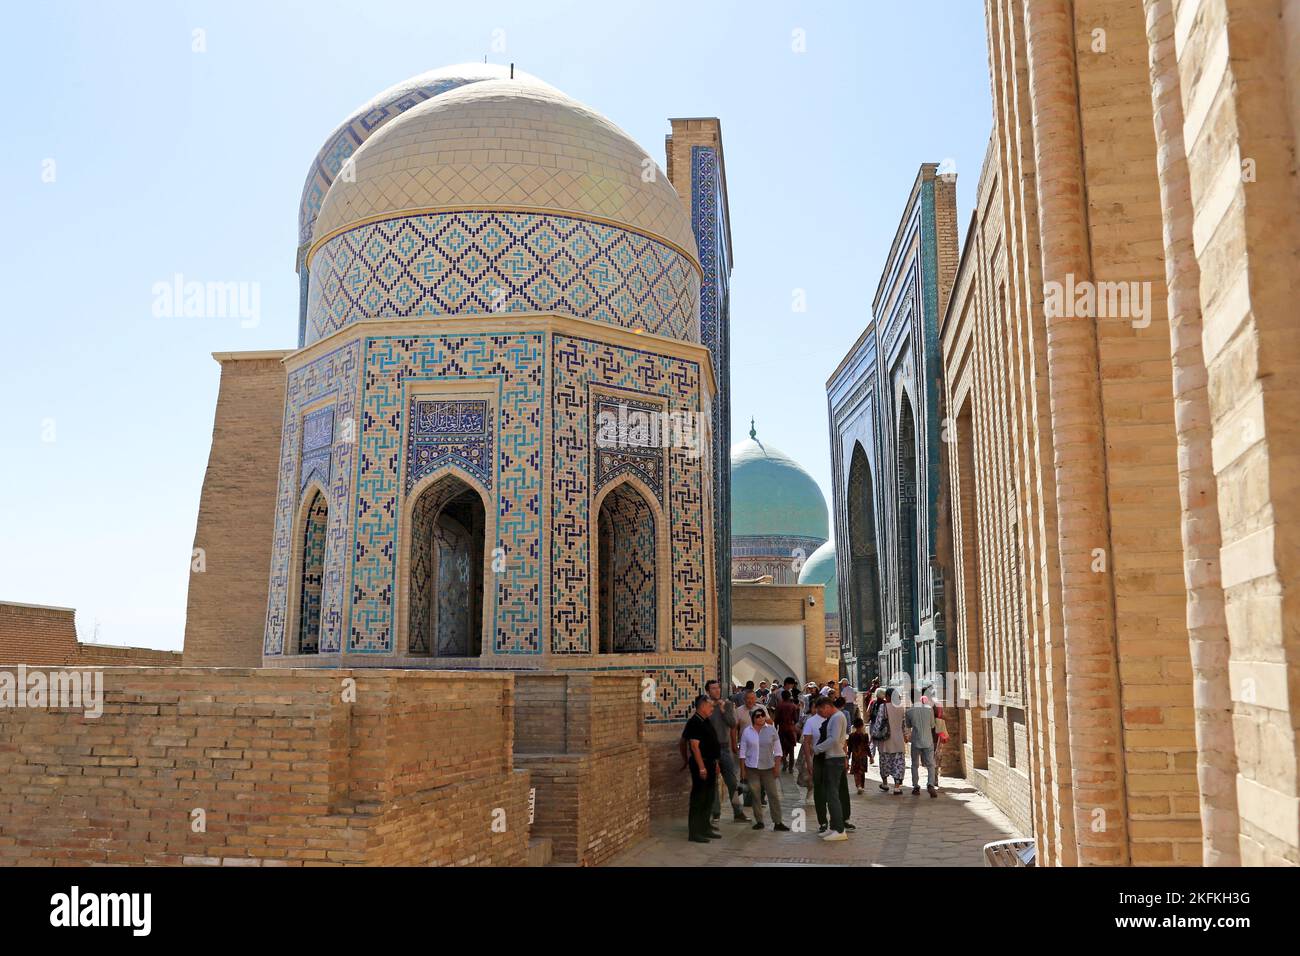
(820, 569)
(771, 494)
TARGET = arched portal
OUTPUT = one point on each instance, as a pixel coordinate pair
(627, 549)
(445, 593)
(908, 611)
(863, 567)
(312, 572)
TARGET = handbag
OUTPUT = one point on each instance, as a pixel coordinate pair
(804, 778)
(941, 729)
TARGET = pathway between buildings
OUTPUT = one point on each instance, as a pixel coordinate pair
(902, 830)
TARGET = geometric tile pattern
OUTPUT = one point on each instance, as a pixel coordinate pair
(343, 142)
(449, 432)
(313, 569)
(335, 374)
(420, 612)
(632, 570)
(317, 446)
(469, 262)
(578, 366)
(510, 364)
(675, 688)
(631, 453)
(705, 190)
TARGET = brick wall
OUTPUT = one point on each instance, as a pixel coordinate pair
(1238, 64)
(226, 607)
(581, 738)
(287, 771)
(45, 636)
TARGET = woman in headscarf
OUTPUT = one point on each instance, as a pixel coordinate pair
(887, 732)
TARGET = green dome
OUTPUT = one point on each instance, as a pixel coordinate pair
(820, 569)
(772, 495)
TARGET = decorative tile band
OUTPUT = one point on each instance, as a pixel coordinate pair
(449, 432)
(481, 262)
(623, 451)
(705, 196)
(317, 446)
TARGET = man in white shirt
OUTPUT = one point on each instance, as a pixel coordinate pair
(760, 753)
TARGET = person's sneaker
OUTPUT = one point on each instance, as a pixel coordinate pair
(758, 825)
(781, 828)
(698, 839)
(835, 836)
(849, 826)
(822, 828)
(740, 818)
(884, 787)
(916, 791)
(859, 791)
(933, 792)
(714, 835)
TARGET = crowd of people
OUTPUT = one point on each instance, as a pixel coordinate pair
(742, 743)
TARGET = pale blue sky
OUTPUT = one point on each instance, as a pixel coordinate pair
(167, 160)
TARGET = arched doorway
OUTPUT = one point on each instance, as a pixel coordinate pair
(312, 572)
(864, 572)
(908, 612)
(628, 582)
(445, 588)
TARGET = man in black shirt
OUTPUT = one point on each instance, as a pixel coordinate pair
(702, 752)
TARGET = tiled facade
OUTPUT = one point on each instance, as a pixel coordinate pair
(885, 433)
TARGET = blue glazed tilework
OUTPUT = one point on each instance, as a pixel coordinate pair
(336, 375)
(577, 366)
(476, 263)
(511, 364)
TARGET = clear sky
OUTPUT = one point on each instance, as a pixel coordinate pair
(129, 157)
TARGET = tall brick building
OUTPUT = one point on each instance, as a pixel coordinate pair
(1121, 515)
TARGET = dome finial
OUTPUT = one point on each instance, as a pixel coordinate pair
(752, 434)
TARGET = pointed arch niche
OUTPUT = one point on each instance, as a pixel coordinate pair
(629, 542)
(313, 525)
(445, 554)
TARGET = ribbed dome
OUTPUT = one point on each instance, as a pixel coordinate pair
(820, 569)
(506, 144)
(771, 494)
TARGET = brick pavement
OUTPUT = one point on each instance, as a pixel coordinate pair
(902, 830)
